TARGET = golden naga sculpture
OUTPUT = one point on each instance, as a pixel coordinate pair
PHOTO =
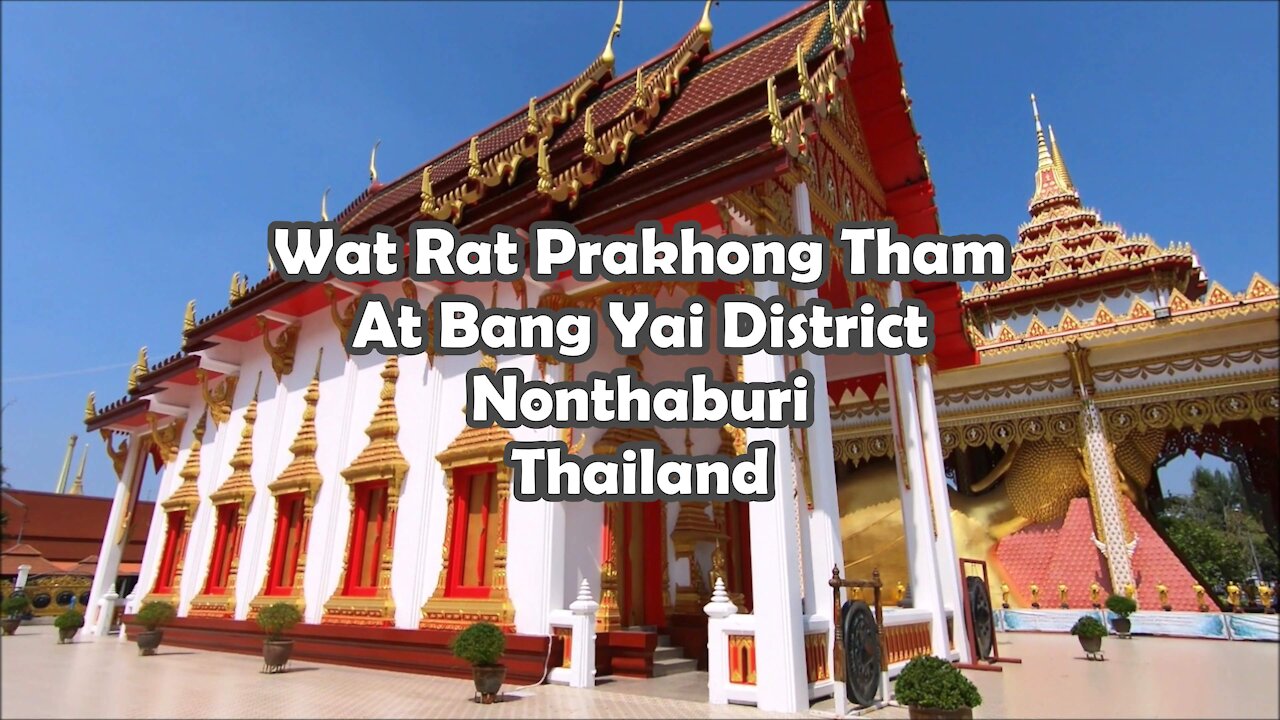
(281, 350)
(118, 455)
(138, 369)
(90, 412)
(239, 288)
(166, 439)
(188, 320)
(1198, 589)
(1095, 590)
(1062, 596)
(373, 163)
(1035, 595)
(1163, 591)
(607, 55)
(324, 206)
(217, 399)
(1004, 595)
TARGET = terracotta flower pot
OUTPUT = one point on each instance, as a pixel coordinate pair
(1121, 626)
(276, 654)
(10, 625)
(488, 680)
(65, 634)
(924, 713)
(148, 641)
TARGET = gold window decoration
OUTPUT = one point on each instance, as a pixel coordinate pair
(231, 502)
(363, 595)
(184, 499)
(294, 492)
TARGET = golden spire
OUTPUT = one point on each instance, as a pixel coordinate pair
(373, 163)
(302, 473)
(607, 55)
(189, 317)
(187, 494)
(704, 26)
(89, 410)
(77, 485)
(474, 170)
(382, 458)
(1042, 150)
(324, 206)
(238, 487)
(1058, 164)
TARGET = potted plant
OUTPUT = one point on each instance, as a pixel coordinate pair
(275, 620)
(482, 644)
(152, 616)
(1090, 630)
(1122, 607)
(933, 689)
(14, 607)
(68, 624)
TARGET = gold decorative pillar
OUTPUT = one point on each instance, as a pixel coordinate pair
(185, 498)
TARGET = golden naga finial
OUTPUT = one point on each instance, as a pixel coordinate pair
(324, 206)
(474, 170)
(776, 134)
(641, 99)
(239, 287)
(533, 125)
(704, 25)
(189, 319)
(607, 56)
(802, 74)
(373, 163)
(589, 146)
(89, 410)
(426, 194)
(139, 367)
(544, 167)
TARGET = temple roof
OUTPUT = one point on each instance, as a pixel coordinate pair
(1067, 247)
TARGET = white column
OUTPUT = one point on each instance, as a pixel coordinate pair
(1097, 451)
(543, 524)
(948, 560)
(108, 567)
(781, 679)
(917, 522)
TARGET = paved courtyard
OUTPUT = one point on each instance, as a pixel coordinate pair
(1144, 677)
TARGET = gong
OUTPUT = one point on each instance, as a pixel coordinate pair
(861, 652)
(984, 624)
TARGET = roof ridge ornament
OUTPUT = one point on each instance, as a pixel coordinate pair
(607, 56)
(373, 163)
(324, 206)
(704, 25)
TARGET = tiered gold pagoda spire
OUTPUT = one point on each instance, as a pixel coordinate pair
(382, 458)
(238, 487)
(187, 494)
(1052, 181)
(302, 474)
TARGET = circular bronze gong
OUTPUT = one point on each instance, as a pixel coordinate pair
(862, 652)
(984, 624)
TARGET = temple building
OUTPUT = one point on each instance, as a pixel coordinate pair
(352, 486)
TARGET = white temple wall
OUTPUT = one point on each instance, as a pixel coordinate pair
(168, 482)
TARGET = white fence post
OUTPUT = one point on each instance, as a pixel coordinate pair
(717, 610)
(583, 657)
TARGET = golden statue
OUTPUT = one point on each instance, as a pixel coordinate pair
(1264, 596)
(1200, 603)
(1062, 595)
(1035, 595)
(1233, 596)
(1004, 595)
(1094, 591)
(1130, 591)
(1164, 596)
(901, 592)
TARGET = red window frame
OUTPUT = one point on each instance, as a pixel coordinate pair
(462, 491)
(286, 544)
(356, 544)
(175, 523)
(224, 549)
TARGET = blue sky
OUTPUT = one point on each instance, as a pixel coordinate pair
(147, 146)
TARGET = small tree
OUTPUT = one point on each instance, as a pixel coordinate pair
(15, 606)
(481, 644)
(1089, 626)
(69, 620)
(931, 682)
(1122, 606)
(278, 619)
(156, 613)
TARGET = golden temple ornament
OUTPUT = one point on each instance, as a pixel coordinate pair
(1062, 596)
(1201, 605)
(607, 55)
(1095, 590)
(282, 349)
(1163, 591)
(189, 320)
(1035, 595)
(324, 206)
(90, 412)
(373, 163)
(138, 369)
